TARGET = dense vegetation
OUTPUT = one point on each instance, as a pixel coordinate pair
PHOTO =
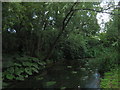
(111, 79)
(39, 35)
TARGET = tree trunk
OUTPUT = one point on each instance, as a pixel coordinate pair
(65, 22)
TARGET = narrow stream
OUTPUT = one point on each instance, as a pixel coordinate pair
(64, 76)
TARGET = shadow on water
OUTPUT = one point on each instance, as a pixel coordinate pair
(63, 76)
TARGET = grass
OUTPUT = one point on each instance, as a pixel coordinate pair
(111, 79)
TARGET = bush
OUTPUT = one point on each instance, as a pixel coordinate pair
(22, 68)
(106, 59)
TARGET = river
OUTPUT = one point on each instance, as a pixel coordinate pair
(63, 76)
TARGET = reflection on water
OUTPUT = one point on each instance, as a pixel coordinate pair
(64, 76)
(93, 81)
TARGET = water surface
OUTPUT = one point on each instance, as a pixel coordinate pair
(63, 76)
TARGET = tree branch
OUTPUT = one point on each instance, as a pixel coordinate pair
(113, 6)
(100, 11)
(68, 14)
(65, 22)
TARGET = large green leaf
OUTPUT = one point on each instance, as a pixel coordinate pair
(28, 71)
(9, 76)
(41, 63)
(20, 77)
(18, 71)
(27, 63)
(34, 69)
(35, 65)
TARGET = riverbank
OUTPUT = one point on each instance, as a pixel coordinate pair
(111, 79)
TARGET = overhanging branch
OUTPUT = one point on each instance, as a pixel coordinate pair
(99, 11)
(65, 22)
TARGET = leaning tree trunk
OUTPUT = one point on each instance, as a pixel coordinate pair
(65, 22)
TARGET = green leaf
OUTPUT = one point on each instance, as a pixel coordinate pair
(18, 71)
(40, 63)
(28, 71)
(35, 65)
(9, 76)
(34, 69)
(26, 76)
(35, 59)
(20, 77)
(27, 64)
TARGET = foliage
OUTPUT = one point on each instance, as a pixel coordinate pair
(24, 67)
(74, 47)
(111, 79)
(33, 33)
(106, 59)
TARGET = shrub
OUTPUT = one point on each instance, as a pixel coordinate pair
(22, 68)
